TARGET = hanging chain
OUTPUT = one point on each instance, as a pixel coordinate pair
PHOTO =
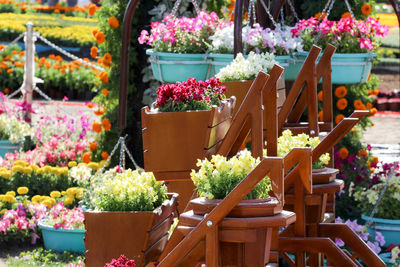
(293, 10)
(13, 41)
(326, 6)
(268, 13)
(330, 9)
(122, 153)
(177, 4)
(196, 7)
(349, 8)
(282, 17)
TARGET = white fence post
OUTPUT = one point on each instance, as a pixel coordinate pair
(29, 84)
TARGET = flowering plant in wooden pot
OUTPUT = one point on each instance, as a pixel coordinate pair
(179, 46)
(191, 117)
(356, 42)
(126, 205)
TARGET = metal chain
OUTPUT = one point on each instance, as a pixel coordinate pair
(349, 8)
(14, 41)
(196, 7)
(121, 153)
(330, 9)
(252, 11)
(13, 94)
(137, 167)
(282, 17)
(62, 51)
(100, 171)
(391, 174)
(177, 4)
(326, 6)
(268, 13)
(293, 10)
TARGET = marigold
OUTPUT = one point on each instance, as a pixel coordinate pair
(341, 104)
(103, 77)
(339, 118)
(6, 91)
(96, 127)
(104, 155)
(72, 164)
(357, 103)
(22, 190)
(373, 111)
(94, 32)
(9, 70)
(89, 104)
(375, 159)
(86, 157)
(93, 52)
(340, 91)
(362, 107)
(107, 58)
(14, 52)
(320, 95)
(92, 9)
(99, 112)
(100, 37)
(366, 9)
(113, 22)
(363, 153)
(104, 92)
(376, 92)
(320, 15)
(92, 146)
(343, 153)
(106, 124)
(369, 105)
(321, 115)
(346, 15)
(55, 194)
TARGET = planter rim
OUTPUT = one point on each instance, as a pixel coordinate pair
(241, 81)
(380, 220)
(344, 55)
(51, 228)
(215, 201)
(5, 141)
(180, 55)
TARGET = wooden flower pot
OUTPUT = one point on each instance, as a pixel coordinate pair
(245, 235)
(141, 236)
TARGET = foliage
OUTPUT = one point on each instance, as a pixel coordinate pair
(190, 95)
(66, 31)
(182, 35)
(118, 190)
(311, 7)
(62, 217)
(219, 176)
(347, 34)
(389, 207)
(13, 129)
(242, 68)
(40, 257)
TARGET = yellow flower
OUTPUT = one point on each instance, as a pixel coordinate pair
(35, 167)
(93, 165)
(3, 211)
(82, 164)
(22, 190)
(47, 169)
(17, 168)
(72, 164)
(63, 193)
(36, 198)
(48, 203)
(68, 201)
(55, 194)
(26, 202)
(6, 174)
(11, 193)
(27, 170)
(21, 163)
(71, 191)
(2, 197)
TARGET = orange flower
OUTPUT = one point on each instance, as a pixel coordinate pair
(369, 105)
(369, 77)
(346, 15)
(357, 103)
(113, 22)
(99, 112)
(320, 15)
(103, 77)
(100, 37)
(52, 56)
(106, 124)
(339, 118)
(86, 158)
(366, 9)
(107, 58)
(320, 95)
(341, 104)
(96, 127)
(14, 52)
(362, 107)
(104, 155)
(22, 53)
(344, 153)
(94, 32)
(321, 115)
(363, 153)
(9, 70)
(104, 92)
(93, 52)
(340, 91)
(89, 105)
(6, 91)
(92, 146)
(92, 9)
(376, 91)
(373, 111)
(375, 159)
(62, 71)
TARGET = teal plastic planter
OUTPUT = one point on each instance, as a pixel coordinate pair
(173, 67)
(63, 240)
(346, 68)
(219, 61)
(7, 147)
(390, 229)
(386, 259)
(292, 67)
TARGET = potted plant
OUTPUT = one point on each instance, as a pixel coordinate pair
(386, 218)
(278, 41)
(12, 133)
(238, 76)
(356, 42)
(129, 213)
(392, 256)
(214, 180)
(63, 229)
(179, 46)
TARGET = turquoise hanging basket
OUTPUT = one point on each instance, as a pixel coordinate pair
(63, 240)
(173, 67)
(7, 147)
(346, 68)
(386, 259)
(390, 229)
(219, 61)
(292, 68)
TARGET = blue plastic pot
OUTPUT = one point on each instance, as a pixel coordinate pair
(63, 240)
(173, 67)
(346, 68)
(390, 229)
(292, 67)
(219, 61)
(7, 147)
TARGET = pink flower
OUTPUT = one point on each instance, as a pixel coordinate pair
(365, 43)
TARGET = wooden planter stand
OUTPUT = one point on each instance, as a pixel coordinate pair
(141, 236)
